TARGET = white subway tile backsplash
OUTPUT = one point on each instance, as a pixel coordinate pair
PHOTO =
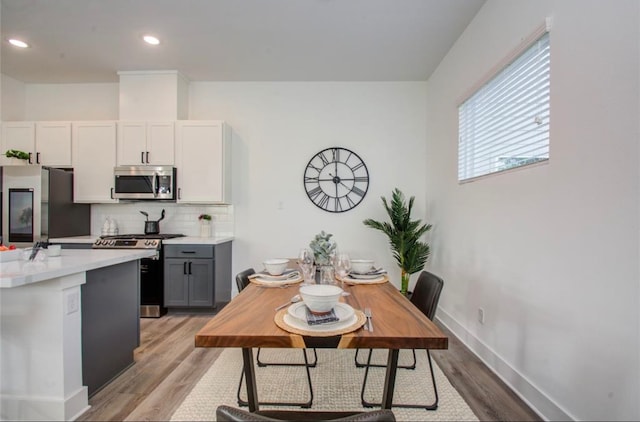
(178, 218)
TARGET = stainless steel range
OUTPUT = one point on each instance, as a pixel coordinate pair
(151, 269)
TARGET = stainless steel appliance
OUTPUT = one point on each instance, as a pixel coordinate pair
(151, 269)
(145, 182)
(38, 205)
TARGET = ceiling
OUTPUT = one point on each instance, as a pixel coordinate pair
(82, 41)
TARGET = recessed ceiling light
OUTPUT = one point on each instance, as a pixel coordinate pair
(151, 40)
(18, 43)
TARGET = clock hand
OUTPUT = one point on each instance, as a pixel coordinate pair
(337, 180)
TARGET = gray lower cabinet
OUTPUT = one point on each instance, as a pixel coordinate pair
(188, 282)
(189, 276)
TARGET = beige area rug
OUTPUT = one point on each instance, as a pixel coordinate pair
(336, 385)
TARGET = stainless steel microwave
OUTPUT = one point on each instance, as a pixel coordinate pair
(145, 182)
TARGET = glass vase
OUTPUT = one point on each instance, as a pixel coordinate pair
(404, 286)
(325, 274)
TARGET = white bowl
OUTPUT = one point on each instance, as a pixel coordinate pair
(320, 298)
(275, 266)
(362, 266)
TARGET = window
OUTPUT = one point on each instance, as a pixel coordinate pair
(505, 123)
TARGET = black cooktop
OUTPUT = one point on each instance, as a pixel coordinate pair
(142, 236)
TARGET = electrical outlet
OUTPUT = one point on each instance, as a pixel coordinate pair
(72, 302)
(481, 315)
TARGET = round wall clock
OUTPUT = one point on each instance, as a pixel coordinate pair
(336, 179)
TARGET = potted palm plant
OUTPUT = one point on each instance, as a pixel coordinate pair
(404, 236)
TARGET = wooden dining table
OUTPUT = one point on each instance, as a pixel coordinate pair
(248, 322)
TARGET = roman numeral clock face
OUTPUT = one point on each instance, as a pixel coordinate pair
(336, 179)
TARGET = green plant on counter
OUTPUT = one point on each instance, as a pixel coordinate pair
(323, 247)
(404, 236)
(14, 153)
(206, 217)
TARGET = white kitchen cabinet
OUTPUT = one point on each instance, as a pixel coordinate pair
(20, 136)
(48, 143)
(53, 144)
(94, 157)
(203, 161)
(145, 143)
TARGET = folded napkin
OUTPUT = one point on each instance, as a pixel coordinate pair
(315, 319)
(287, 274)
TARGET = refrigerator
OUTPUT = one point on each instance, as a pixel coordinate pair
(37, 204)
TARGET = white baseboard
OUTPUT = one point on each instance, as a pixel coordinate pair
(544, 406)
(38, 408)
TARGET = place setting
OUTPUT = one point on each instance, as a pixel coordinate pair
(362, 271)
(316, 311)
(276, 274)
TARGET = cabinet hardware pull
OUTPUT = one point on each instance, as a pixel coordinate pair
(37, 158)
(111, 193)
(190, 268)
(184, 267)
(189, 252)
(147, 157)
(142, 157)
(30, 158)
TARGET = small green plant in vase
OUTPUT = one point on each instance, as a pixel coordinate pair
(205, 225)
(404, 236)
(323, 248)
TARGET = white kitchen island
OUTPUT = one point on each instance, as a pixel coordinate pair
(41, 329)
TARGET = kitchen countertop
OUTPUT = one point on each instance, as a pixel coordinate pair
(71, 261)
(193, 240)
(75, 239)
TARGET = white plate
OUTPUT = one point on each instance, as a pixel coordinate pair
(302, 325)
(351, 279)
(365, 276)
(288, 274)
(342, 310)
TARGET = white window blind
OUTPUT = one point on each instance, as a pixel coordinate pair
(505, 124)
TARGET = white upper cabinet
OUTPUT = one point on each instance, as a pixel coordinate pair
(203, 161)
(47, 143)
(20, 136)
(145, 143)
(53, 144)
(94, 157)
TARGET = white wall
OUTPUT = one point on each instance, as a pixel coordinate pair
(72, 101)
(551, 252)
(13, 100)
(278, 127)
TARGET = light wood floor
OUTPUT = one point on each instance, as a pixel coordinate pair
(168, 365)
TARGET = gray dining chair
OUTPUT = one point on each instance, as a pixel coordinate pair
(232, 414)
(242, 281)
(425, 297)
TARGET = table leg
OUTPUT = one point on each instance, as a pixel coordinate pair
(390, 378)
(250, 379)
